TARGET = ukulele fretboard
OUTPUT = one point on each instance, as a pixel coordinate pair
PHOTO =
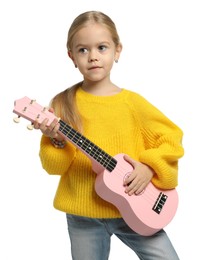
(104, 159)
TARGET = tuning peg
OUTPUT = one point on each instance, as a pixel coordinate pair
(30, 127)
(16, 119)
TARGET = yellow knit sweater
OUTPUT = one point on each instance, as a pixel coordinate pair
(122, 123)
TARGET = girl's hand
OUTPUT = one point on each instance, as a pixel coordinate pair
(139, 178)
(51, 130)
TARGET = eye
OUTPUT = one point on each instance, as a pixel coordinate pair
(83, 50)
(102, 47)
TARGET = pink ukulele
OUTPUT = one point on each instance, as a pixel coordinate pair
(146, 213)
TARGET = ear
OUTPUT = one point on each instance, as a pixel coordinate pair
(70, 55)
(118, 51)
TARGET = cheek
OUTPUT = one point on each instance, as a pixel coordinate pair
(81, 63)
(110, 61)
(81, 58)
(110, 57)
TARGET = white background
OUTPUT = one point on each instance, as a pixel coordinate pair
(162, 59)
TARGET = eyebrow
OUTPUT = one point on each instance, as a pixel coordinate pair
(100, 43)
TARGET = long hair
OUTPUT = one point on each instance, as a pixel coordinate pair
(64, 103)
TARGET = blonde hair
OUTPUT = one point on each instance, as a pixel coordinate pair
(95, 17)
(64, 103)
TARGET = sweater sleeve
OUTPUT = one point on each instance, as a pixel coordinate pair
(163, 145)
(55, 161)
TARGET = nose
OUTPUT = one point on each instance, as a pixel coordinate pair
(92, 56)
(93, 59)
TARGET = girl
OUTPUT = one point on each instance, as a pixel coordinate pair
(118, 121)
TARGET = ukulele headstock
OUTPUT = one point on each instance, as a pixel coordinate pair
(32, 111)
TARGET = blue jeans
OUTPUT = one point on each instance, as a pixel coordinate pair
(90, 240)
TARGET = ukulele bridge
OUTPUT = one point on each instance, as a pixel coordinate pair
(158, 206)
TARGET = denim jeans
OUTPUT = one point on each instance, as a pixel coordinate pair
(90, 239)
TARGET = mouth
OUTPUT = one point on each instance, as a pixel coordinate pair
(94, 68)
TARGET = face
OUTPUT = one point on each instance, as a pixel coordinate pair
(94, 52)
